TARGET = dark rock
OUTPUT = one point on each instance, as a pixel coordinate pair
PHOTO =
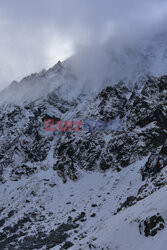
(67, 245)
(151, 225)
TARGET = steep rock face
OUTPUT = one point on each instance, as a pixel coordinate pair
(155, 163)
(35, 161)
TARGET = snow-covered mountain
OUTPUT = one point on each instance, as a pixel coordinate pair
(88, 189)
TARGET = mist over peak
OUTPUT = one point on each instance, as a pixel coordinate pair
(98, 65)
(120, 59)
(43, 33)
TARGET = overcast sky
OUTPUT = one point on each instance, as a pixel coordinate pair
(35, 34)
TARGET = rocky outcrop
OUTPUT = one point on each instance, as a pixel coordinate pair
(150, 226)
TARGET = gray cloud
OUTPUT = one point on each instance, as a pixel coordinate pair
(35, 33)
